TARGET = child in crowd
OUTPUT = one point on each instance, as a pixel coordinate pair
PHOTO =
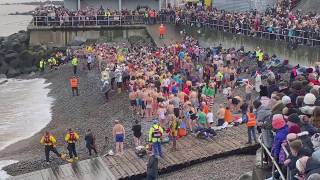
(227, 115)
(210, 117)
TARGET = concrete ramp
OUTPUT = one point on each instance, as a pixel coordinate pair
(93, 169)
(309, 5)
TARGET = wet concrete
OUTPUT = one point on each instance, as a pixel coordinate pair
(94, 169)
(303, 55)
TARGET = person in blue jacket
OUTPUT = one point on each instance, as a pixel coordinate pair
(281, 129)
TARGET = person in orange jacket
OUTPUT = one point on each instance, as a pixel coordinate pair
(162, 31)
(251, 124)
(74, 85)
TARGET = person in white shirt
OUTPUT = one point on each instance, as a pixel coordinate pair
(210, 117)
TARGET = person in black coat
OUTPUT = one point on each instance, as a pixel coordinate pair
(152, 168)
(90, 142)
(136, 128)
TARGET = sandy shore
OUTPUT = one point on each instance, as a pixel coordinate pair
(89, 110)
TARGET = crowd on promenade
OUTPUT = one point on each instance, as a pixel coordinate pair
(279, 23)
(179, 88)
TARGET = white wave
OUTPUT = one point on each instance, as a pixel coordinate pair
(25, 109)
(3, 174)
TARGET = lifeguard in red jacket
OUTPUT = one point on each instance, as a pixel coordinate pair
(162, 31)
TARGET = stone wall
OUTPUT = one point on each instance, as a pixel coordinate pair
(64, 37)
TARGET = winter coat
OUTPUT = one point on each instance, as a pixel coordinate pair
(312, 167)
(306, 141)
(309, 128)
(152, 168)
(264, 117)
(281, 135)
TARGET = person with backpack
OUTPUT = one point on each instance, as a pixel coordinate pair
(49, 142)
(155, 137)
(251, 125)
(71, 138)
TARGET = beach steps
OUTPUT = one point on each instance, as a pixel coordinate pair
(191, 150)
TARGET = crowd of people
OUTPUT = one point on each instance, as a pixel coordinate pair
(178, 89)
(278, 23)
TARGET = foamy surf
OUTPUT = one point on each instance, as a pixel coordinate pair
(25, 109)
(3, 174)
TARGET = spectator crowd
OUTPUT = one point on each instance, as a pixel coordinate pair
(278, 23)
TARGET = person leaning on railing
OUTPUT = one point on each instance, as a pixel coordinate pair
(264, 124)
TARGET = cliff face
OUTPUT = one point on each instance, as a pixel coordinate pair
(309, 5)
(16, 56)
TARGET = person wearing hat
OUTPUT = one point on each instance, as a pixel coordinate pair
(155, 137)
(308, 104)
(293, 119)
(307, 166)
(281, 129)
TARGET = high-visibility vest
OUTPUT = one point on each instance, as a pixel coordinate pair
(155, 133)
(251, 120)
(48, 140)
(71, 137)
(75, 61)
(74, 82)
(260, 56)
(162, 30)
(41, 63)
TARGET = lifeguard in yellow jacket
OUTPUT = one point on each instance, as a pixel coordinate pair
(71, 138)
(49, 142)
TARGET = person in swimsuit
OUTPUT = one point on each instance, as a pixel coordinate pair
(149, 101)
(136, 128)
(193, 117)
(118, 133)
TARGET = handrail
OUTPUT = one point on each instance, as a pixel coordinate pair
(287, 155)
(300, 36)
(274, 162)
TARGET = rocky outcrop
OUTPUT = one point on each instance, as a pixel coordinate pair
(16, 56)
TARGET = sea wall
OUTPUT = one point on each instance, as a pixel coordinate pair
(113, 4)
(61, 37)
(302, 54)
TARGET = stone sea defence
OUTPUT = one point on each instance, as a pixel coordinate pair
(17, 57)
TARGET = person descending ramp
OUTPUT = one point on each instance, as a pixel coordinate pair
(71, 138)
(49, 142)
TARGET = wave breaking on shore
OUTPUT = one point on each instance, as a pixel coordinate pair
(25, 109)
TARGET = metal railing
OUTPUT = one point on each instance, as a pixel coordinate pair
(301, 37)
(275, 165)
(287, 155)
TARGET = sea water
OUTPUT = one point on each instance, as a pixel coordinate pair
(25, 109)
